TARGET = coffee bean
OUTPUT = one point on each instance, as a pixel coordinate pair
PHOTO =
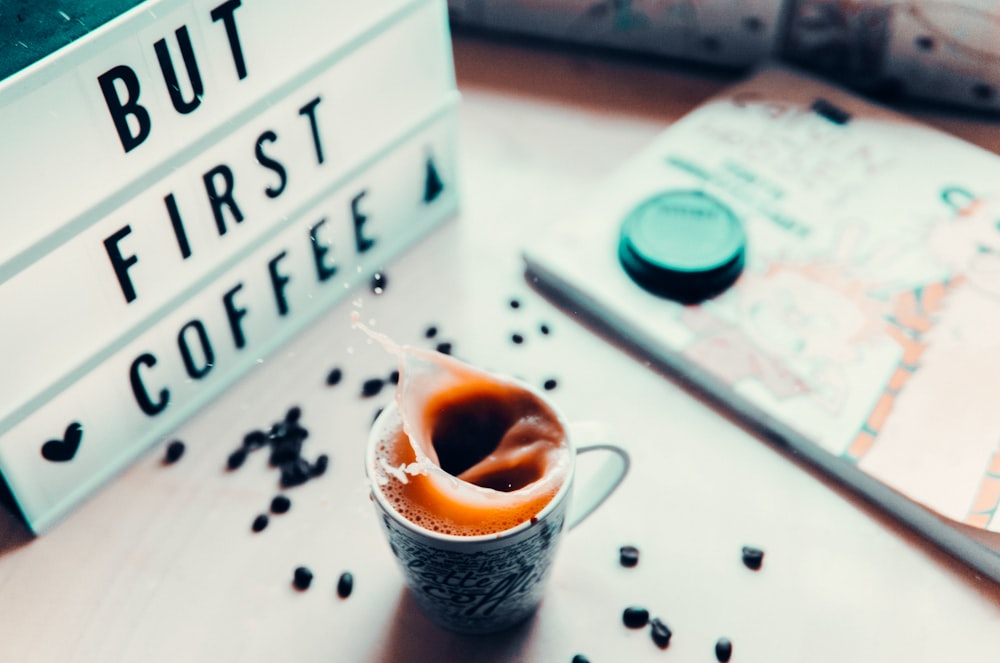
(431, 332)
(255, 439)
(303, 578)
(236, 458)
(284, 450)
(174, 452)
(334, 377)
(550, 384)
(371, 387)
(394, 377)
(277, 432)
(259, 523)
(379, 282)
(723, 650)
(660, 633)
(580, 658)
(752, 557)
(444, 348)
(635, 617)
(295, 473)
(319, 467)
(544, 329)
(293, 414)
(515, 304)
(517, 339)
(628, 556)
(280, 504)
(345, 584)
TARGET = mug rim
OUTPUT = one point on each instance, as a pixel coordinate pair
(382, 422)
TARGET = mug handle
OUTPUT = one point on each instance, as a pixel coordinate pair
(597, 484)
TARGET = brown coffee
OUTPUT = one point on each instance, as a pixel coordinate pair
(469, 453)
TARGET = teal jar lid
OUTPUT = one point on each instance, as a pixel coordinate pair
(684, 245)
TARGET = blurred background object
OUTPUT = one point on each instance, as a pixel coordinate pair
(941, 51)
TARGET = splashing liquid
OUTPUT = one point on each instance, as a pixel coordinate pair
(471, 453)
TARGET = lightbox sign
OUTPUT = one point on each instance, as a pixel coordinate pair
(186, 188)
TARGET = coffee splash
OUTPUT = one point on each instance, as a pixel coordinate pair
(472, 453)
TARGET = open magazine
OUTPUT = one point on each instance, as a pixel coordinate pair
(863, 330)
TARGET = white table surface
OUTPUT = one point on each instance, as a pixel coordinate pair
(161, 565)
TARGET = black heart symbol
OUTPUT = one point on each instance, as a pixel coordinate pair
(60, 451)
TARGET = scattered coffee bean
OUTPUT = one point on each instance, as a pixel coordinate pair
(517, 339)
(277, 432)
(174, 452)
(515, 304)
(236, 458)
(259, 523)
(628, 556)
(303, 578)
(284, 440)
(280, 504)
(255, 439)
(723, 650)
(660, 633)
(444, 348)
(580, 658)
(550, 384)
(334, 377)
(635, 617)
(431, 332)
(284, 449)
(544, 329)
(295, 473)
(379, 282)
(752, 557)
(319, 467)
(345, 584)
(394, 377)
(371, 387)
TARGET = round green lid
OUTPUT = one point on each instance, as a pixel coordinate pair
(684, 245)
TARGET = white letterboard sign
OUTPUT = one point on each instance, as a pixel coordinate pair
(185, 189)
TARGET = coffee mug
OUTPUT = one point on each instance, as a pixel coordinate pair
(489, 582)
